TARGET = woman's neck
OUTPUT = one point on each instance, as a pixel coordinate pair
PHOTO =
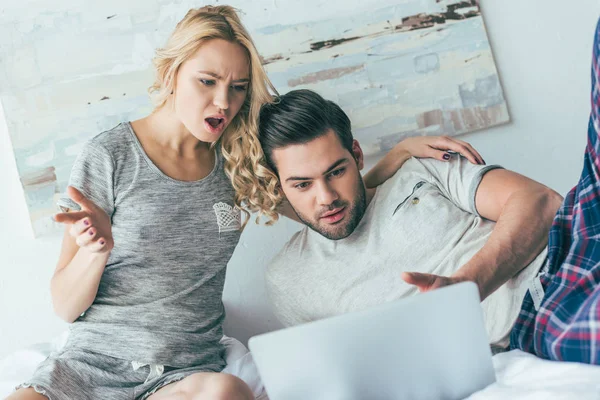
(164, 128)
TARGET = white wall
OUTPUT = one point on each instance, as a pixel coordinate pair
(543, 52)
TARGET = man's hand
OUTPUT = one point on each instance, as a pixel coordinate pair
(427, 282)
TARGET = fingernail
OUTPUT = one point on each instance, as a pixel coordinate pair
(446, 156)
(91, 233)
(86, 222)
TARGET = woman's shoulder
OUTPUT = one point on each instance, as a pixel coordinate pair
(115, 143)
(113, 138)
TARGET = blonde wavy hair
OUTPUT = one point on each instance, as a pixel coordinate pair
(255, 185)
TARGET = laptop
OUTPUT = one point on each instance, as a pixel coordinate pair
(430, 346)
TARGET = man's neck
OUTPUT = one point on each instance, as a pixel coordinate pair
(370, 194)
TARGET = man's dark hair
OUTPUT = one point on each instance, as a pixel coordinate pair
(299, 117)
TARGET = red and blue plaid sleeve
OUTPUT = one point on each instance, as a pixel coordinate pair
(566, 326)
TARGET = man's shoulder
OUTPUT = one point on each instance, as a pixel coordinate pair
(291, 253)
(412, 166)
(411, 171)
(422, 166)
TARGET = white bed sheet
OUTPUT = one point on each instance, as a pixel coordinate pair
(520, 376)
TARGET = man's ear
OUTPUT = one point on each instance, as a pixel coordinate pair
(358, 155)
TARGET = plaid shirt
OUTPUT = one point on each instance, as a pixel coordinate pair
(567, 324)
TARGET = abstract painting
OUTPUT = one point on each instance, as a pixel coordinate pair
(399, 68)
(415, 68)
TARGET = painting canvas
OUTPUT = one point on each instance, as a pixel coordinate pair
(417, 69)
(399, 68)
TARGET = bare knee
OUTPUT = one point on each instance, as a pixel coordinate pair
(222, 387)
(26, 394)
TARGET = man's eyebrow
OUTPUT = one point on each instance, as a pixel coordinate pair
(331, 168)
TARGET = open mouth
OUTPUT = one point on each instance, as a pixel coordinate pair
(215, 123)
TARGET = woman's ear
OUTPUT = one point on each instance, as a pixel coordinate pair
(171, 81)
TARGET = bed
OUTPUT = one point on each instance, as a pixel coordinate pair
(519, 375)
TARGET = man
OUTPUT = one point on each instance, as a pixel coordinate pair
(446, 221)
(560, 316)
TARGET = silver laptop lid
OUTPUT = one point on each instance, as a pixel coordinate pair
(430, 346)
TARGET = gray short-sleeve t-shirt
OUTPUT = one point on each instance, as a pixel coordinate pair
(423, 219)
(159, 298)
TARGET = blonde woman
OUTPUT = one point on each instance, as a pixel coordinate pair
(152, 222)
